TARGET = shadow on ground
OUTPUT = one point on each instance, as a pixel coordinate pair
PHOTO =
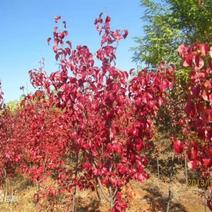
(159, 203)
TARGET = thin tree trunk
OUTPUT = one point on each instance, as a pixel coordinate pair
(112, 197)
(6, 186)
(186, 170)
(170, 181)
(205, 201)
(169, 200)
(98, 192)
(74, 202)
(101, 189)
(158, 168)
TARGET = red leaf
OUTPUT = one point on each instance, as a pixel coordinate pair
(193, 164)
(125, 34)
(178, 146)
(108, 19)
(206, 162)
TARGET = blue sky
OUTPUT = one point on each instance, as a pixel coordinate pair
(26, 25)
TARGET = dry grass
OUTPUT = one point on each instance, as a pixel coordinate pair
(148, 197)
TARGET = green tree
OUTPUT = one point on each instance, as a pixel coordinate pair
(169, 23)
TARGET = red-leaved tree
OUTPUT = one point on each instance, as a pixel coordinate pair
(197, 118)
(108, 113)
(87, 126)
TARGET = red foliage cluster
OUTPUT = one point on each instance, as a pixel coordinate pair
(87, 126)
(198, 108)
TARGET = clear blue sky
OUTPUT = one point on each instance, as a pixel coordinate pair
(26, 25)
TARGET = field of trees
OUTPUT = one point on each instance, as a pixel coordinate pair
(92, 137)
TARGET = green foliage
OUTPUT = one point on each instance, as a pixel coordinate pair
(12, 105)
(182, 77)
(169, 23)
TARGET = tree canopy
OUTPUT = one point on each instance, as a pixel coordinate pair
(168, 23)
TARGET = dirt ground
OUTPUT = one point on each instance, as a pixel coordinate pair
(151, 196)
